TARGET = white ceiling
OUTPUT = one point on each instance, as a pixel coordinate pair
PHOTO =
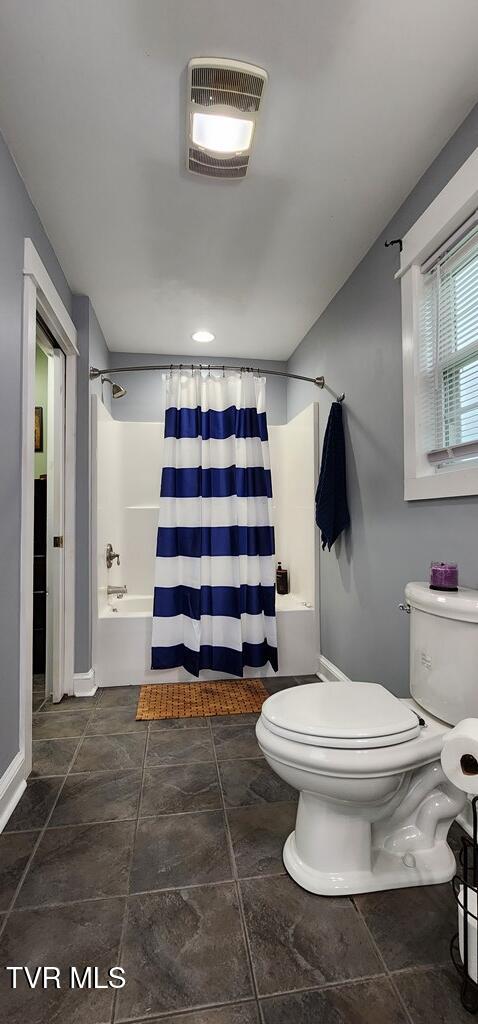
(362, 95)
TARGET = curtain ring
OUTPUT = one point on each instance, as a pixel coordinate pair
(224, 371)
(209, 370)
(171, 371)
(192, 369)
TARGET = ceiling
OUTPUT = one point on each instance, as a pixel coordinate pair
(362, 95)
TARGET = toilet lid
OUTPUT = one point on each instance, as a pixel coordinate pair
(347, 714)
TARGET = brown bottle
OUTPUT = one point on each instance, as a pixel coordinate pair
(282, 580)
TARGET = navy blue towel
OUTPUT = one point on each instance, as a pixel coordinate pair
(331, 508)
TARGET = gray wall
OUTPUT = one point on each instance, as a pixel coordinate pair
(93, 352)
(145, 398)
(357, 344)
(18, 220)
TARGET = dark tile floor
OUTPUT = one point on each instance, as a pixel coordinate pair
(158, 848)
(38, 691)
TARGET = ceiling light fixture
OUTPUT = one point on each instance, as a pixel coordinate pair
(220, 134)
(203, 336)
(224, 97)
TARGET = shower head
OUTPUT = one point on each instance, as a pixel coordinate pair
(117, 390)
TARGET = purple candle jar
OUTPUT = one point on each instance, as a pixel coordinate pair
(443, 576)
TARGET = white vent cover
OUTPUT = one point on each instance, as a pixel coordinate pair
(222, 88)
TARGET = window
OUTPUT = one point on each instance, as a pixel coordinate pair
(448, 355)
(439, 281)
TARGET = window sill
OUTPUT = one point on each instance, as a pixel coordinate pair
(448, 483)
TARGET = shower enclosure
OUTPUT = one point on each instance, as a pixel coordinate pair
(127, 462)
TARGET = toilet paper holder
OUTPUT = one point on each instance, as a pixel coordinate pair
(464, 944)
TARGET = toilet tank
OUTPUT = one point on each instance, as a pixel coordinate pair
(444, 651)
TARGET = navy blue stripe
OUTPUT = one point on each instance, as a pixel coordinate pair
(218, 659)
(196, 482)
(229, 601)
(214, 541)
(227, 423)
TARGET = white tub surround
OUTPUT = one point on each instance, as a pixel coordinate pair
(127, 465)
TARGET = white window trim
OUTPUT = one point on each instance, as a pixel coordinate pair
(454, 204)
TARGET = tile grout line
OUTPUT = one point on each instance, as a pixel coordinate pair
(141, 892)
(326, 987)
(92, 735)
(133, 844)
(142, 817)
(236, 880)
(42, 830)
(132, 817)
(247, 1000)
(73, 824)
(67, 709)
(187, 1011)
(383, 962)
(423, 968)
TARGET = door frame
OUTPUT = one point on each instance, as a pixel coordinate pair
(55, 508)
(40, 295)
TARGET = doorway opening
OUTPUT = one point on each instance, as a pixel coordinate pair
(48, 551)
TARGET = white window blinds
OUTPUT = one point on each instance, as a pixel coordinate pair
(448, 355)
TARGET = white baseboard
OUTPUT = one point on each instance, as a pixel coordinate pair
(12, 785)
(84, 684)
(329, 672)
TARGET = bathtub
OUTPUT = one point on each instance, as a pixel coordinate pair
(123, 642)
(131, 606)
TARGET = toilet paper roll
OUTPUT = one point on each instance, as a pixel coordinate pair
(459, 756)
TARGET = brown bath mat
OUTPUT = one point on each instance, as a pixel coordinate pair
(198, 700)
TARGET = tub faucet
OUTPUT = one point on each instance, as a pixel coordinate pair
(116, 591)
(111, 555)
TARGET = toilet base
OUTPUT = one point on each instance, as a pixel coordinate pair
(424, 867)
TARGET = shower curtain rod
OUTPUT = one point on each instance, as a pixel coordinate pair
(320, 382)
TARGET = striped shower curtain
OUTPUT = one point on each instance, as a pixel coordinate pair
(214, 597)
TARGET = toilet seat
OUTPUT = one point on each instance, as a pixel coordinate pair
(352, 762)
(342, 715)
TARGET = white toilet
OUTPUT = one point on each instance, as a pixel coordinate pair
(375, 806)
